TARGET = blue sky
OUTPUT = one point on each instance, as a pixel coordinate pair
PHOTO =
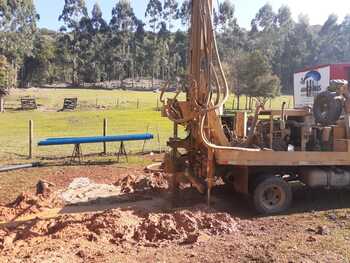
(317, 10)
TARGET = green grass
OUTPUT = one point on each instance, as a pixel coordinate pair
(123, 118)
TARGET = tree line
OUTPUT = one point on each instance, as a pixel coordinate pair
(259, 61)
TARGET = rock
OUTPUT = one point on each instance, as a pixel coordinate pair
(92, 237)
(43, 187)
(190, 239)
(311, 239)
(8, 240)
(323, 230)
(332, 216)
(81, 254)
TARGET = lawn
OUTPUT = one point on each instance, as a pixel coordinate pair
(126, 111)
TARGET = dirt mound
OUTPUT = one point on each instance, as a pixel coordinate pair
(156, 181)
(183, 226)
(117, 226)
(28, 203)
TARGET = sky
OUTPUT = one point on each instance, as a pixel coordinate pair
(317, 10)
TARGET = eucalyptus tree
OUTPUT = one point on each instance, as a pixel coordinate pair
(154, 14)
(184, 12)
(17, 27)
(328, 41)
(4, 80)
(344, 38)
(139, 49)
(122, 26)
(99, 52)
(230, 36)
(74, 11)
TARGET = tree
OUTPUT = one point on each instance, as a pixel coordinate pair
(328, 43)
(154, 14)
(184, 12)
(281, 60)
(17, 27)
(98, 52)
(122, 26)
(229, 35)
(344, 37)
(256, 77)
(5, 80)
(170, 12)
(41, 64)
(72, 14)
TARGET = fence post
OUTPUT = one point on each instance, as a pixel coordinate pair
(105, 127)
(31, 138)
(144, 142)
(138, 104)
(158, 139)
(157, 104)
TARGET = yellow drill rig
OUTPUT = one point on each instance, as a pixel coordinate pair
(281, 145)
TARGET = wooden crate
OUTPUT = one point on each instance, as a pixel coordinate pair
(28, 103)
(70, 103)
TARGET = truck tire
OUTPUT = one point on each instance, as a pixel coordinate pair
(327, 109)
(272, 195)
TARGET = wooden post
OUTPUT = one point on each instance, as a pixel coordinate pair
(144, 142)
(105, 127)
(118, 103)
(96, 103)
(158, 139)
(2, 104)
(157, 103)
(31, 138)
(241, 124)
(138, 104)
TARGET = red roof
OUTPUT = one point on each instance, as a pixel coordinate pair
(323, 66)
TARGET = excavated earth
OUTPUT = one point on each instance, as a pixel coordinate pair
(130, 217)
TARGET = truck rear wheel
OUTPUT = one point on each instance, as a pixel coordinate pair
(272, 195)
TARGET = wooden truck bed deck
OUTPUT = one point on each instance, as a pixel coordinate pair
(273, 158)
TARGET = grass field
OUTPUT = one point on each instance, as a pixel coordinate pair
(126, 111)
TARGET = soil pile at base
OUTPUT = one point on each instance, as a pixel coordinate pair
(117, 226)
(29, 203)
(156, 181)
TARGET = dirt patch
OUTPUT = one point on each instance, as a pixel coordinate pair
(29, 203)
(117, 226)
(185, 226)
(156, 181)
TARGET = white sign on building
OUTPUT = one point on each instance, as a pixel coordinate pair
(308, 84)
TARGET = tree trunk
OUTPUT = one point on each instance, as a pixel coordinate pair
(2, 104)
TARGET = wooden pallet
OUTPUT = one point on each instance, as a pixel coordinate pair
(28, 103)
(70, 103)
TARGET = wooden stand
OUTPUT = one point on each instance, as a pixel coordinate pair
(77, 154)
(122, 151)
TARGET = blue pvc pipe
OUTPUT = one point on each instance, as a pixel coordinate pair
(97, 139)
